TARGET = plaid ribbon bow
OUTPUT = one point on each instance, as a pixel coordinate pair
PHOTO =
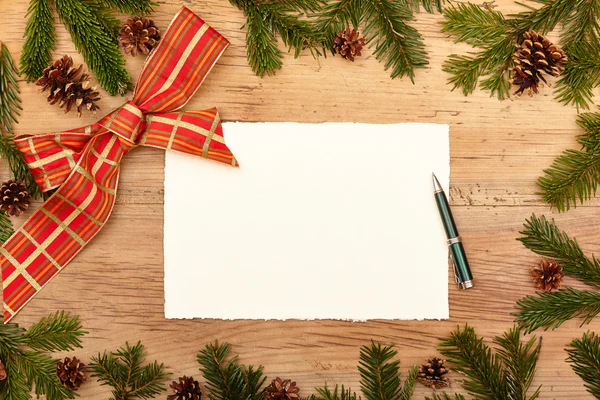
(84, 163)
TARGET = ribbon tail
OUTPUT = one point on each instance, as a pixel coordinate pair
(198, 133)
(64, 224)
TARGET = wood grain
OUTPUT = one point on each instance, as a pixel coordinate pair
(498, 151)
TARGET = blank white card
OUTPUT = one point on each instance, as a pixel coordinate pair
(324, 221)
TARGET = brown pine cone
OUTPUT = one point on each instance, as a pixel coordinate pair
(282, 390)
(349, 44)
(15, 198)
(3, 374)
(547, 275)
(71, 372)
(186, 389)
(535, 57)
(138, 34)
(68, 86)
(432, 374)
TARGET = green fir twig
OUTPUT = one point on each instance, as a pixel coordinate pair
(380, 374)
(29, 368)
(123, 370)
(40, 39)
(575, 175)
(266, 20)
(507, 374)
(551, 309)
(585, 361)
(226, 379)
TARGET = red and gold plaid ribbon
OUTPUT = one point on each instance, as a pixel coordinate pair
(84, 163)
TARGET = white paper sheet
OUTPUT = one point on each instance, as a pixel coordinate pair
(327, 221)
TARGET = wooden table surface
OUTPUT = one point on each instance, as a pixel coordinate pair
(498, 149)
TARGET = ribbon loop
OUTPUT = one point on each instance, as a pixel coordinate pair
(84, 163)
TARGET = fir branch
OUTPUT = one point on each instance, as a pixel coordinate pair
(267, 19)
(123, 371)
(57, 332)
(506, 375)
(575, 175)
(40, 39)
(583, 356)
(581, 76)
(337, 394)
(130, 7)
(10, 102)
(380, 376)
(229, 380)
(473, 24)
(519, 360)
(40, 369)
(544, 238)
(551, 309)
(99, 49)
(485, 377)
(28, 366)
(398, 45)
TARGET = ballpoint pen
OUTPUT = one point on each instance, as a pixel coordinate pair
(462, 272)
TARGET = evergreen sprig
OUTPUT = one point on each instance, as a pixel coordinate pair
(338, 393)
(387, 30)
(551, 309)
(226, 379)
(10, 102)
(445, 396)
(93, 28)
(507, 374)
(495, 38)
(585, 361)
(575, 175)
(27, 364)
(265, 20)
(380, 376)
(124, 372)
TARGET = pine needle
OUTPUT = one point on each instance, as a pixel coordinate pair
(337, 394)
(123, 371)
(585, 361)
(56, 332)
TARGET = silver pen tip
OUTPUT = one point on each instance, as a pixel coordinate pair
(436, 184)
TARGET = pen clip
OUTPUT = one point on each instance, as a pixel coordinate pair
(456, 277)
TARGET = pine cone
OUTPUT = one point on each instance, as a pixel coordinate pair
(3, 374)
(68, 86)
(282, 390)
(348, 44)
(186, 389)
(432, 374)
(536, 56)
(15, 198)
(547, 275)
(71, 372)
(138, 34)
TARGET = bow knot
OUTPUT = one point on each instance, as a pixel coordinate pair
(127, 122)
(84, 163)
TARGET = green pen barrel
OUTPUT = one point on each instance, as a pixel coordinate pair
(447, 220)
(457, 251)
